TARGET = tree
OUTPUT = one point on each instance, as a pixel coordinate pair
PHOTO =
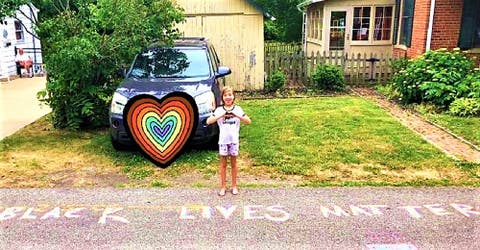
(86, 42)
(8, 8)
(288, 19)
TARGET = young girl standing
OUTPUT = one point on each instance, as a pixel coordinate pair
(228, 117)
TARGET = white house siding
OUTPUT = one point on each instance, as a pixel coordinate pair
(9, 42)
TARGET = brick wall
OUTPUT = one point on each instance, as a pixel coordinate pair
(446, 26)
(420, 27)
(447, 21)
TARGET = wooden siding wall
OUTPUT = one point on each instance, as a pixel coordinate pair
(235, 28)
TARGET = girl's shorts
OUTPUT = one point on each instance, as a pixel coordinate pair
(228, 149)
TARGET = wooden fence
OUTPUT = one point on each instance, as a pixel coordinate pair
(359, 69)
(278, 47)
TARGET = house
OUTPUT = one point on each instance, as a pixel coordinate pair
(404, 28)
(433, 24)
(16, 32)
(235, 28)
(348, 26)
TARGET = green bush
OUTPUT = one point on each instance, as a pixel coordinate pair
(328, 77)
(435, 77)
(85, 44)
(276, 81)
(399, 64)
(471, 84)
(465, 107)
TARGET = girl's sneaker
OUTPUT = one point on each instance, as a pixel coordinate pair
(222, 192)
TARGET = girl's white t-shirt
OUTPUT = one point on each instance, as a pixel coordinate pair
(229, 127)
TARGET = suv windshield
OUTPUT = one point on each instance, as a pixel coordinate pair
(171, 62)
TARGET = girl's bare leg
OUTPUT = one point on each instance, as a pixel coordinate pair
(223, 174)
(233, 162)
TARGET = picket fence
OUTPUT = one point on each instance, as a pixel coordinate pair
(358, 69)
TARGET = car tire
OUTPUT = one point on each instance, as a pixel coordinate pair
(119, 146)
(213, 143)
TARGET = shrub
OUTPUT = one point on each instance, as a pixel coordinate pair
(328, 77)
(465, 107)
(436, 77)
(276, 81)
(471, 84)
(399, 64)
(86, 42)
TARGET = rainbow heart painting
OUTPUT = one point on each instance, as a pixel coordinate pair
(161, 128)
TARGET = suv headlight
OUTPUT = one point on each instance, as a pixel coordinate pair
(118, 103)
(205, 102)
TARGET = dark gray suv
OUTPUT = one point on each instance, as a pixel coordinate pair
(190, 67)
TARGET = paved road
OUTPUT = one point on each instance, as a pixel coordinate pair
(19, 105)
(300, 218)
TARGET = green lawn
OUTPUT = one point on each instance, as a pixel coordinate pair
(313, 141)
(343, 140)
(465, 127)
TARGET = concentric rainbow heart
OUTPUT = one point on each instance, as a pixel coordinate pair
(160, 128)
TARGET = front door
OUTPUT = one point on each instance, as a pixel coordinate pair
(337, 31)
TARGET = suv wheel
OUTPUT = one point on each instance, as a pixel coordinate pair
(119, 146)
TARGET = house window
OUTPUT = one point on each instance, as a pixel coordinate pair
(19, 31)
(315, 25)
(383, 23)
(407, 22)
(470, 27)
(361, 23)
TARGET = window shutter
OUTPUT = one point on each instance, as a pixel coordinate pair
(467, 29)
(408, 11)
(395, 21)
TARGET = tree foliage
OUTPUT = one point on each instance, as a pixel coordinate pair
(287, 25)
(8, 7)
(86, 42)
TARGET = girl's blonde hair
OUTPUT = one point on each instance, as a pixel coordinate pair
(227, 89)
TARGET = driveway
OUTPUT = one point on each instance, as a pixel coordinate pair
(19, 105)
(265, 218)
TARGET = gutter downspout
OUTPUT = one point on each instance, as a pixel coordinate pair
(430, 25)
(301, 8)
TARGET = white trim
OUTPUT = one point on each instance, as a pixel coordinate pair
(430, 25)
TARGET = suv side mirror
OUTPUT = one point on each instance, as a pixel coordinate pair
(223, 71)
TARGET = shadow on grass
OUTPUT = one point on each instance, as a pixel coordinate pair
(138, 167)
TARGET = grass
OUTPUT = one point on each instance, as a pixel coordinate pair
(342, 141)
(466, 127)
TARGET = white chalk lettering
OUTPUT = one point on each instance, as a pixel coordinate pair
(107, 213)
(28, 214)
(249, 212)
(464, 209)
(226, 212)
(437, 210)
(207, 212)
(54, 213)
(375, 209)
(73, 213)
(412, 211)
(356, 211)
(10, 213)
(338, 211)
(282, 214)
(184, 214)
